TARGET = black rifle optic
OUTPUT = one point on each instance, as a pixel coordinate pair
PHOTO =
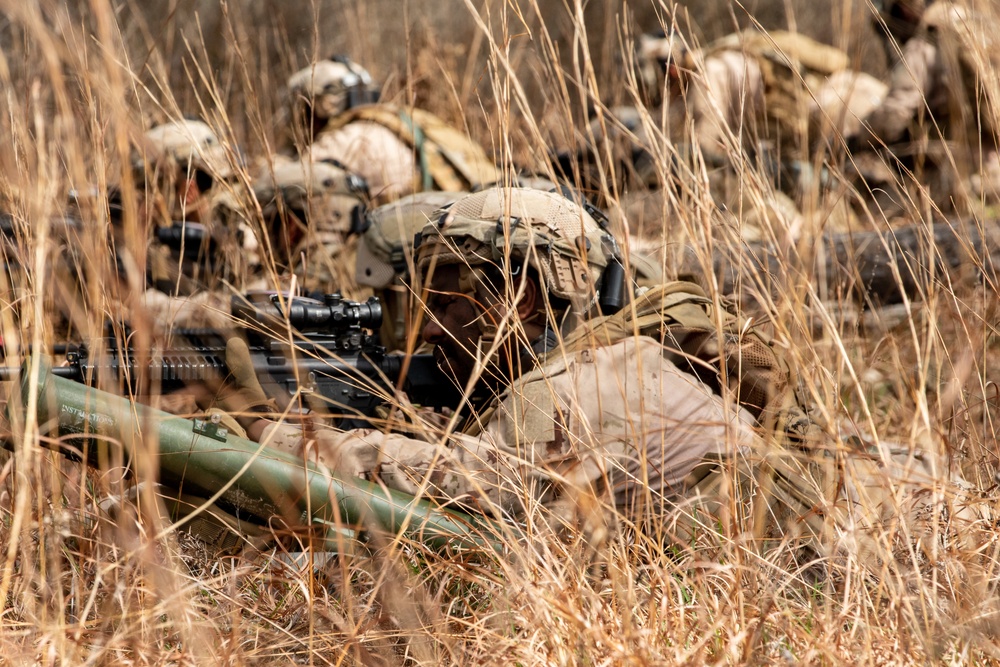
(320, 350)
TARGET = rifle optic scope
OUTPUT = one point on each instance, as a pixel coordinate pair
(332, 314)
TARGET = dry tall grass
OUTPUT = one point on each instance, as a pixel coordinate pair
(81, 81)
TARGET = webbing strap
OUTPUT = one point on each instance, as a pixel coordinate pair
(419, 140)
(440, 166)
(682, 302)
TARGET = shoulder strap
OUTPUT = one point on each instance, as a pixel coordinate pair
(684, 320)
(681, 301)
(449, 160)
(792, 49)
(463, 154)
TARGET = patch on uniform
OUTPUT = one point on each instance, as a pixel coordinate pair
(529, 414)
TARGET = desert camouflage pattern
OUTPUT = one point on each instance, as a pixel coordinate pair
(620, 421)
(400, 151)
(232, 224)
(841, 104)
(323, 88)
(840, 503)
(552, 234)
(375, 153)
(725, 93)
(919, 80)
(202, 310)
(386, 247)
(194, 292)
(744, 83)
(185, 145)
(940, 76)
(791, 67)
(623, 429)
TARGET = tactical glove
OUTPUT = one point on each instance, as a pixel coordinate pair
(243, 396)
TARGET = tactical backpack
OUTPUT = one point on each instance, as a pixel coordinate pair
(449, 160)
(791, 65)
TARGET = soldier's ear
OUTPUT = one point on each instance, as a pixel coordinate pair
(527, 307)
(189, 191)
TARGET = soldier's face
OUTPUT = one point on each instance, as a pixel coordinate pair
(451, 324)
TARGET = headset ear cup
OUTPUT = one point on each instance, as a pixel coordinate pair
(360, 222)
(612, 287)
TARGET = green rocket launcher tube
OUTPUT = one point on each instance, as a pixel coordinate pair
(200, 456)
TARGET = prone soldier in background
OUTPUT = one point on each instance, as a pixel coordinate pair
(939, 120)
(313, 212)
(188, 240)
(779, 92)
(775, 100)
(397, 150)
(202, 246)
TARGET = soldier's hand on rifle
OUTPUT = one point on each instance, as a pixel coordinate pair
(242, 396)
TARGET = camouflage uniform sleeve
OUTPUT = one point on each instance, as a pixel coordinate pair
(909, 88)
(612, 422)
(198, 311)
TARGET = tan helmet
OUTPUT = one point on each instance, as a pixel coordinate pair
(330, 87)
(322, 195)
(385, 251)
(564, 243)
(187, 145)
(310, 210)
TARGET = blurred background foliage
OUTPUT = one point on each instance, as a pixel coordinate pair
(428, 51)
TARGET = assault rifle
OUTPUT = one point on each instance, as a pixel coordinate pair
(320, 352)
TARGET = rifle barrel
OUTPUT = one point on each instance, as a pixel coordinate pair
(9, 373)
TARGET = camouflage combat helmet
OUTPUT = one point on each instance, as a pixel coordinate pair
(330, 87)
(386, 247)
(187, 145)
(661, 54)
(323, 195)
(514, 228)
